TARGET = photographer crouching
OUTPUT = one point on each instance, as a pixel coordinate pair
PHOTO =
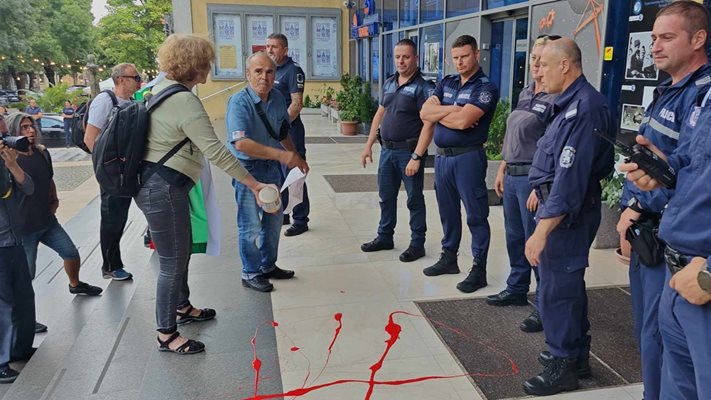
(17, 299)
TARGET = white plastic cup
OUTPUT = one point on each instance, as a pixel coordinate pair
(270, 199)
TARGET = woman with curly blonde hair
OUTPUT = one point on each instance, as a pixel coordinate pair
(186, 60)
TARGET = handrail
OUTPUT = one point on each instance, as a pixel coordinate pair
(223, 90)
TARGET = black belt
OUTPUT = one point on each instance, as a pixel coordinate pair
(675, 260)
(543, 191)
(455, 151)
(403, 144)
(518, 169)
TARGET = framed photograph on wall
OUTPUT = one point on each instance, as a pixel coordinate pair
(640, 62)
(324, 39)
(294, 28)
(227, 32)
(632, 115)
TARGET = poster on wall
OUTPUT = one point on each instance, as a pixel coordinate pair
(294, 28)
(228, 44)
(640, 62)
(632, 115)
(325, 46)
(431, 62)
(258, 28)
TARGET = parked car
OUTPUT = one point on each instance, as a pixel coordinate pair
(52, 134)
(27, 94)
(10, 95)
(75, 88)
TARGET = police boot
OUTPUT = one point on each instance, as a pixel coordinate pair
(475, 280)
(447, 264)
(557, 376)
(582, 365)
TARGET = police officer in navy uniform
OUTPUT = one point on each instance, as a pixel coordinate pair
(290, 83)
(524, 127)
(462, 107)
(404, 140)
(566, 171)
(679, 34)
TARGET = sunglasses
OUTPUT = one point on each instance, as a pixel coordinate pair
(549, 37)
(136, 78)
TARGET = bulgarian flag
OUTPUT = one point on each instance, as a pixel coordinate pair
(205, 215)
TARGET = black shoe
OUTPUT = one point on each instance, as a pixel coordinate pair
(447, 264)
(506, 298)
(412, 254)
(296, 230)
(557, 376)
(85, 288)
(582, 365)
(475, 280)
(25, 357)
(278, 273)
(376, 245)
(532, 323)
(259, 283)
(287, 220)
(39, 328)
(8, 375)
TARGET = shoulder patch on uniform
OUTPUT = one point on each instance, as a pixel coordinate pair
(694, 117)
(571, 113)
(704, 80)
(567, 156)
(485, 97)
(484, 79)
(299, 78)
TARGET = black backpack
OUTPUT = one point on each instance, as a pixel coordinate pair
(121, 145)
(81, 119)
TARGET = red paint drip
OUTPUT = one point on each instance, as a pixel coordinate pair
(275, 324)
(338, 317)
(256, 363)
(393, 330)
(295, 348)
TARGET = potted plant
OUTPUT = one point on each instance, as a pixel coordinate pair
(494, 145)
(607, 236)
(326, 97)
(366, 108)
(348, 101)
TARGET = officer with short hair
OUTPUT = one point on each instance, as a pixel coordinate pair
(404, 139)
(462, 107)
(566, 171)
(289, 82)
(679, 34)
(524, 127)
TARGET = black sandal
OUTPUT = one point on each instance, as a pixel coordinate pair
(206, 314)
(189, 347)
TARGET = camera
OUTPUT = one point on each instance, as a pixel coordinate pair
(349, 4)
(19, 143)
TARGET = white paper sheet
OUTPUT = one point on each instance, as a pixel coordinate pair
(295, 182)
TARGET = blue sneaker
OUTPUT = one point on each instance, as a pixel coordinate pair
(118, 275)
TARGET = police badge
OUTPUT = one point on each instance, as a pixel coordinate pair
(567, 157)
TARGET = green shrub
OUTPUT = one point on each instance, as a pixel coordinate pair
(307, 101)
(348, 97)
(366, 105)
(54, 97)
(20, 105)
(612, 186)
(497, 130)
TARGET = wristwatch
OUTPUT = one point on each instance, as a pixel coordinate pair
(416, 156)
(704, 278)
(633, 204)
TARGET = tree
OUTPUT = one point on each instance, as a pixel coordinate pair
(133, 30)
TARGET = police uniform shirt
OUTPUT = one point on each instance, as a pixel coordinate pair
(243, 121)
(289, 79)
(572, 159)
(478, 91)
(526, 125)
(662, 125)
(686, 222)
(402, 104)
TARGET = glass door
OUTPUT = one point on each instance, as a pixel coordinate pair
(509, 47)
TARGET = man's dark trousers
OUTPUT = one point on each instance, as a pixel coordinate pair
(391, 171)
(300, 213)
(646, 285)
(114, 214)
(17, 305)
(519, 225)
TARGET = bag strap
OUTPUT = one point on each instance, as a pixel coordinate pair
(265, 120)
(111, 94)
(152, 103)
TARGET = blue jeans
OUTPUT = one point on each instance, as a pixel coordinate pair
(17, 306)
(54, 237)
(519, 225)
(67, 132)
(461, 179)
(167, 211)
(258, 231)
(391, 171)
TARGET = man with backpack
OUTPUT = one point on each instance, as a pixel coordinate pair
(114, 210)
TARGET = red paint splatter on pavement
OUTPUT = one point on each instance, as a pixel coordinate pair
(393, 330)
(295, 348)
(256, 362)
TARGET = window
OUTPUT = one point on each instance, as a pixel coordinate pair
(294, 28)
(454, 30)
(431, 51)
(387, 61)
(390, 15)
(408, 12)
(489, 4)
(363, 59)
(313, 33)
(432, 10)
(456, 8)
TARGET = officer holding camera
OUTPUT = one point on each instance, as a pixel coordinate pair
(17, 299)
(679, 34)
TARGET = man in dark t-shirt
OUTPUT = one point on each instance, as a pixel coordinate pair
(39, 223)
